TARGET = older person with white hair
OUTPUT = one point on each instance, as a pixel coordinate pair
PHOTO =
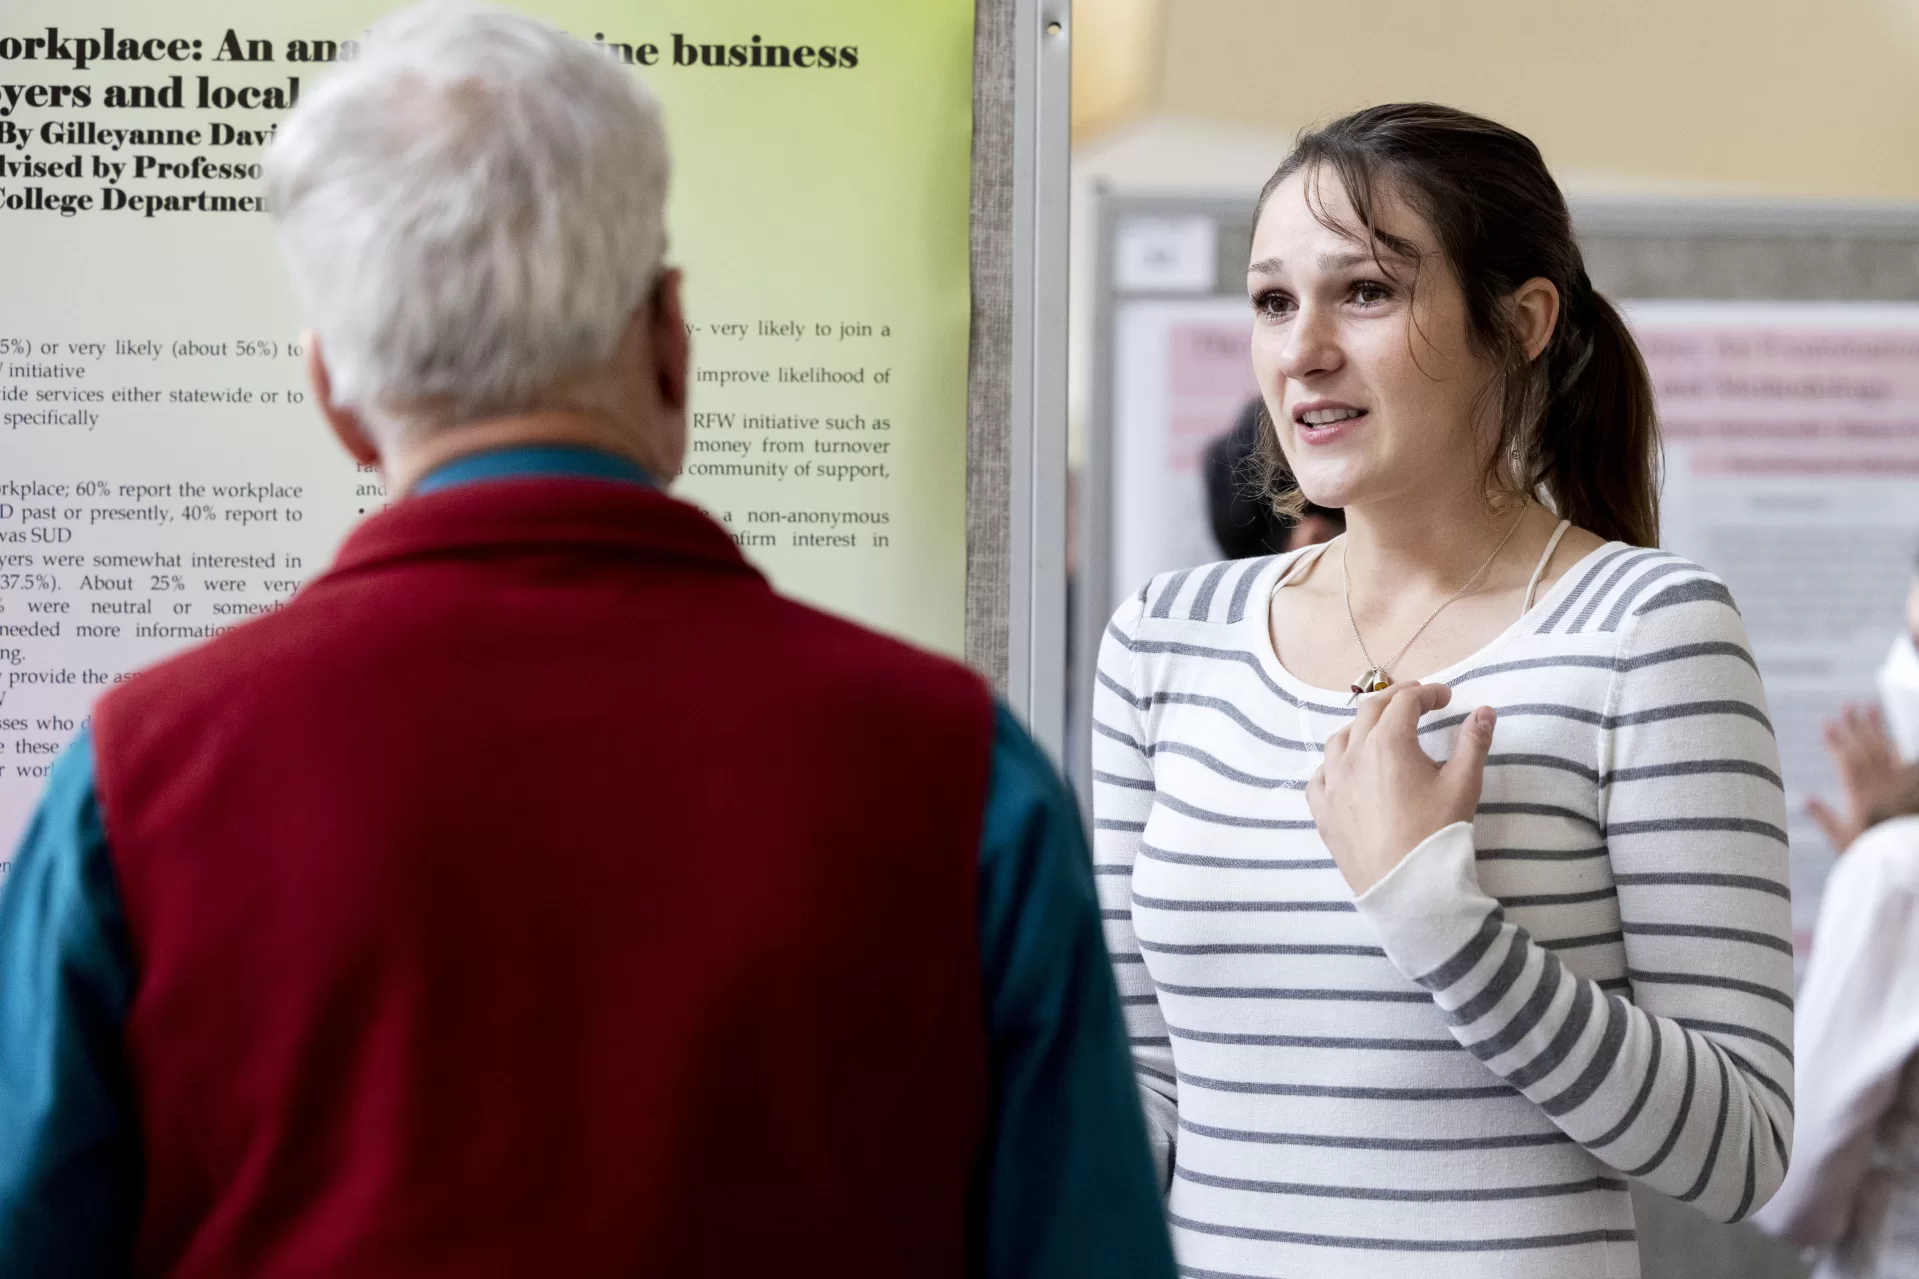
(538, 892)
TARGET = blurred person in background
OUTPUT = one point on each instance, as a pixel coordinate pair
(1899, 681)
(1244, 520)
(1392, 1014)
(538, 892)
(1854, 1186)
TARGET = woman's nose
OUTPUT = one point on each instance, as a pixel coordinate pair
(1310, 345)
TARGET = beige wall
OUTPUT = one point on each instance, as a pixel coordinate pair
(1807, 98)
(1115, 61)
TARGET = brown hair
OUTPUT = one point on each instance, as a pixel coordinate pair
(1576, 423)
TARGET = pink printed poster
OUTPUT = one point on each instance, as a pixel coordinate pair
(1182, 372)
(1792, 471)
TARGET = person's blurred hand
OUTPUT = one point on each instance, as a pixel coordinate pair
(1870, 772)
(1379, 795)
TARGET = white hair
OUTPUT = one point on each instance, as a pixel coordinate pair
(472, 211)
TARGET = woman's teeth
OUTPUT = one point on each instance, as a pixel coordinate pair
(1326, 417)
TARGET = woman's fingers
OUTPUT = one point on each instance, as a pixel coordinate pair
(1863, 753)
(1407, 704)
(1875, 738)
(1467, 767)
(1869, 770)
(1336, 748)
(1861, 731)
(1859, 734)
(1848, 739)
(1371, 707)
(1845, 731)
(1838, 832)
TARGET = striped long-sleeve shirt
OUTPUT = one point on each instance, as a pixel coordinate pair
(1462, 1068)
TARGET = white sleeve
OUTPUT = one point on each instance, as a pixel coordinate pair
(1858, 1028)
(1687, 1086)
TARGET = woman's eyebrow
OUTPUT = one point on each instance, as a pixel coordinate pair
(1345, 261)
(1328, 262)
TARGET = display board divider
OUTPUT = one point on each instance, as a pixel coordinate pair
(1036, 597)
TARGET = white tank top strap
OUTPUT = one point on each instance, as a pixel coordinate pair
(1310, 555)
(1545, 558)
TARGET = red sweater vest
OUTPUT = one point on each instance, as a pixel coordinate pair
(538, 893)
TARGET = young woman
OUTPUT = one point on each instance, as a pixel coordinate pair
(1391, 1012)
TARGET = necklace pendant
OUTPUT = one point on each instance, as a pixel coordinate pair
(1373, 681)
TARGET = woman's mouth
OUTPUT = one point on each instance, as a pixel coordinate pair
(1324, 423)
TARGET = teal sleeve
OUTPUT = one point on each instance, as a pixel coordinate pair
(1068, 1188)
(69, 1144)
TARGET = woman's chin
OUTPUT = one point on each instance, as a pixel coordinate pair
(1334, 494)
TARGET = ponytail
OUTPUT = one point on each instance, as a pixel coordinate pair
(1594, 450)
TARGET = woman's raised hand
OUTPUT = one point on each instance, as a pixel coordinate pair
(1378, 795)
(1870, 772)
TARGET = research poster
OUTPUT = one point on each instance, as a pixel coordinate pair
(1792, 471)
(1181, 376)
(162, 475)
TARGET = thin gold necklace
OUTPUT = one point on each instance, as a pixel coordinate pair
(1378, 675)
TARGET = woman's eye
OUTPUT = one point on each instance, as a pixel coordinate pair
(1272, 306)
(1370, 293)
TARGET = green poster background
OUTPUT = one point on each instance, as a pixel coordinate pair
(822, 195)
(827, 202)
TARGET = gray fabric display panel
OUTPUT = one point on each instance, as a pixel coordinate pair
(1016, 384)
(989, 387)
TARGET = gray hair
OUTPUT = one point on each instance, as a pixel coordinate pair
(471, 211)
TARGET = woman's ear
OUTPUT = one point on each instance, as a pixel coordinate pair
(1535, 314)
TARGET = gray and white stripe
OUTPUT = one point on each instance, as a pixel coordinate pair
(1462, 1071)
